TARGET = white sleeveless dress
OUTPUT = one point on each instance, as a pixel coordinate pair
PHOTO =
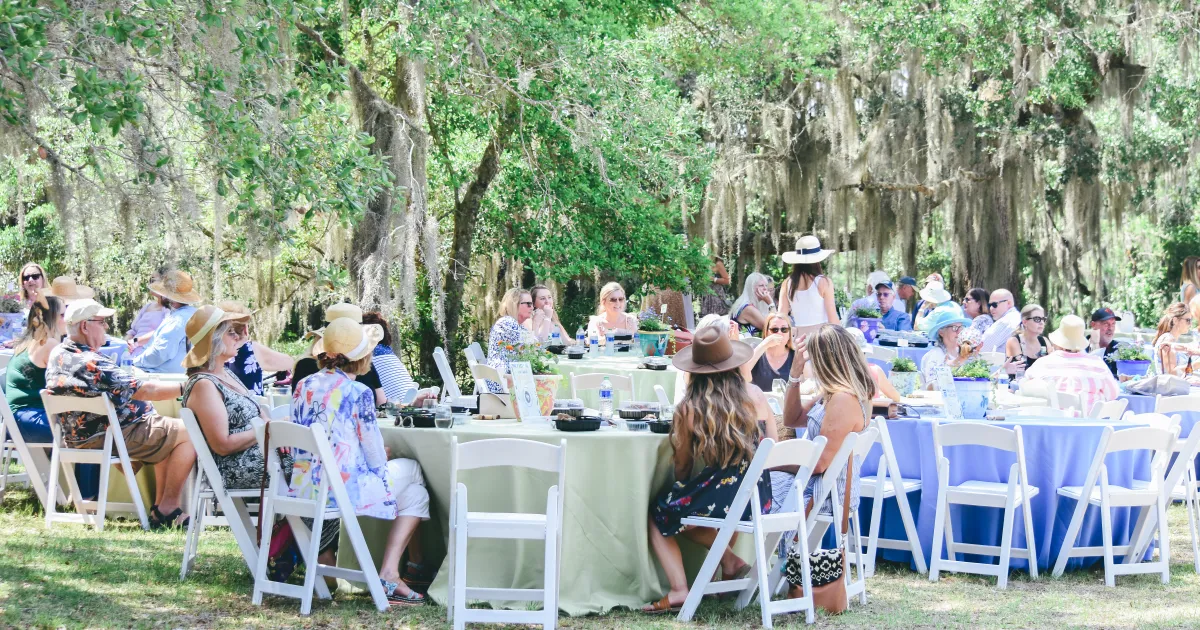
(807, 306)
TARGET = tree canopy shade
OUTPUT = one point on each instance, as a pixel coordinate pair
(423, 156)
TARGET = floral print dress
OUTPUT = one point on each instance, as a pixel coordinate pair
(708, 494)
(347, 411)
(503, 344)
(242, 469)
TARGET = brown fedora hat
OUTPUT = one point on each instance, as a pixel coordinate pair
(176, 286)
(711, 352)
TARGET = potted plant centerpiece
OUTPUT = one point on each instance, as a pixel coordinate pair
(653, 334)
(12, 320)
(867, 320)
(1131, 360)
(904, 375)
(972, 382)
(544, 366)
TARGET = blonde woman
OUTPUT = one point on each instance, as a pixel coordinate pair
(715, 430)
(1027, 344)
(33, 280)
(508, 333)
(1170, 356)
(610, 313)
(755, 304)
(774, 356)
(842, 406)
(1189, 280)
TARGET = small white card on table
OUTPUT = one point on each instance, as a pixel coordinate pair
(945, 382)
(525, 389)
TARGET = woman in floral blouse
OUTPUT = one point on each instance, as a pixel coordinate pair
(508, 333)
(389, 490)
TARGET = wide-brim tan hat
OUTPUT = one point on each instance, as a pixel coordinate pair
(935, 292)
(808, 251)
(348, 338)
(712, 351)
(1070, 334)
(343, 310)
(199, 330)
(176, 286)
(233, 306)
(65, 289)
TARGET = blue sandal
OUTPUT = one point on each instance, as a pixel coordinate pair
(396, 599)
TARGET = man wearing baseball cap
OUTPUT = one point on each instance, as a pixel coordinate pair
(905, 290)
(1104, 326)
(869, 301)
(75, 369)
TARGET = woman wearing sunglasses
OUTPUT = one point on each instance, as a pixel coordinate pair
(944, 324)
(1027, 344)
(773, 357)
(610, 313)
(1170, 356)
(33, 280)
(975, 305)
(509, 333)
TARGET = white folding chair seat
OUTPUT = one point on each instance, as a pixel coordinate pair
(1039, 412)
(766, 530)
(482, 373)
(209, 488)
(1009, 496)
(1061, 400)
(464, 525)
(588, 382)
(887, 484)
(1110, 410)
(276, 503)
(1160, 441)
(62, 457)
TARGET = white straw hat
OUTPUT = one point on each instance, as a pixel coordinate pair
(808, 251)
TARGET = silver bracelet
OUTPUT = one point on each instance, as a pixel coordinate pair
(794, 381)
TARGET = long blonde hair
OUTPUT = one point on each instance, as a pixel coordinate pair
(605, 291)
(1173, 312)
(1191, 272)
(511, 302)
(42, 325)
(719, 422)
(766, 331)
(838, 364)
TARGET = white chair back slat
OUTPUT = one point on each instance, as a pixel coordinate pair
(1157, 437)
(483, 372)
(475, 354)
(1040, 412)
(865, 440)
(509, 452)
(449, 383)
(789, 452)
(661, 395)
(1062, 400)
(587, 382)
(975, 433)
(1176, 404)
(1109, 410)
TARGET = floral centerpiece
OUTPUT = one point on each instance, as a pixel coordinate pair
(546, 378)
(653, 333)
(12, 317)
(903, 375)
(972, 383)
(1131, 360)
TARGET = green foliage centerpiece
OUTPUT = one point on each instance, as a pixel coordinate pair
(904, 375)
(1131, 360)
(972, 383)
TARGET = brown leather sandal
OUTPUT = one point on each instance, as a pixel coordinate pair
(663, 606)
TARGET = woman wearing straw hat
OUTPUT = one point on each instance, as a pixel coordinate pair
(148, 318)
(253, 358)
(943, 327)
(388, 490)
(167, 346)
(715, 426)
(806, 294)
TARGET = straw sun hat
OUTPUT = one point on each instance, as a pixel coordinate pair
(176, 286)
(199, 330)
(348, 338)
(65, 289)
(1070, 334)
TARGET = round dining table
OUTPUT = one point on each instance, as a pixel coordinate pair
(622, 364)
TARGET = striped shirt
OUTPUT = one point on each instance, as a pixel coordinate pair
(998, 333)
(398, 385)
(1077, 373)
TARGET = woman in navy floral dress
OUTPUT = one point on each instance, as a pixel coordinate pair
(508, 333)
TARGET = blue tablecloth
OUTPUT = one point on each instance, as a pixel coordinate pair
(1058, 453)
(1139, 403)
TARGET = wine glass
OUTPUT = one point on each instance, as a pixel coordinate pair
(779, 386)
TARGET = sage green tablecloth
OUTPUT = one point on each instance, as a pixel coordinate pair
(643, 380)
(612, 477)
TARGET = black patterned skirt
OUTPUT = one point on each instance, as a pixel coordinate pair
(708, 494)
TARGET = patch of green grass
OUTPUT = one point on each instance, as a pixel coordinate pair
(73, 577)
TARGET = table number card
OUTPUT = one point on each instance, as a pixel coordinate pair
(525, 390)
(945, 382)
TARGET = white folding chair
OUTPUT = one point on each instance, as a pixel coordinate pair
(209, 488)
(450, 390)
(862, 445)
(1034, 388)
(884, 353)
(766, 529)
(1060, 400)
(9, 452)
(475, 353)
(482, 373)
(1096, 490)
(661, 395)
(585, 382)
(885, 484)
(1179, 472)
(1039, 412)
(1009, 496)
(1110, 410)
(994, 359)
(464, 525)
(61, 456)
(275, 502)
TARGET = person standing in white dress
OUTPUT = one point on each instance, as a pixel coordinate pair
(806, 294)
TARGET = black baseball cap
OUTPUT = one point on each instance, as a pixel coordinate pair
(1104, 314)
(909, 280)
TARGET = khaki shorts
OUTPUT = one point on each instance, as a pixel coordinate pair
(150, 440)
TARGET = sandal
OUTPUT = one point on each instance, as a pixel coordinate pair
(417, 576)
(663, 606)
(396, 599)
(159, 521)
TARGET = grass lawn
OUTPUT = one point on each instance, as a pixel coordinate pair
(72, 577)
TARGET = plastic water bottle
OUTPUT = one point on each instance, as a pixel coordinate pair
(594, 343)
(580, 337)
(555, 338)
(637, 344)
(606, 403)
(127, 364)
(610, 347)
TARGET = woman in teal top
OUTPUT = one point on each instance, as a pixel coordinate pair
(25, 378)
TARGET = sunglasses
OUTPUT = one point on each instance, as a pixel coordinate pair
(240, 331)
(1036, 320)
(995, 304)
(32, 276)
(616, 300)
(779, 330)
(525, 303)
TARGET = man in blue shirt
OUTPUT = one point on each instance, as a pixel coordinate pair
(892, 318)
(167, 346)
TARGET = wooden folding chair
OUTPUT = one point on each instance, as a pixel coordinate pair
(89, 512)
(275, 502)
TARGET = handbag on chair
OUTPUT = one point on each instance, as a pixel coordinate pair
(828, 566)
